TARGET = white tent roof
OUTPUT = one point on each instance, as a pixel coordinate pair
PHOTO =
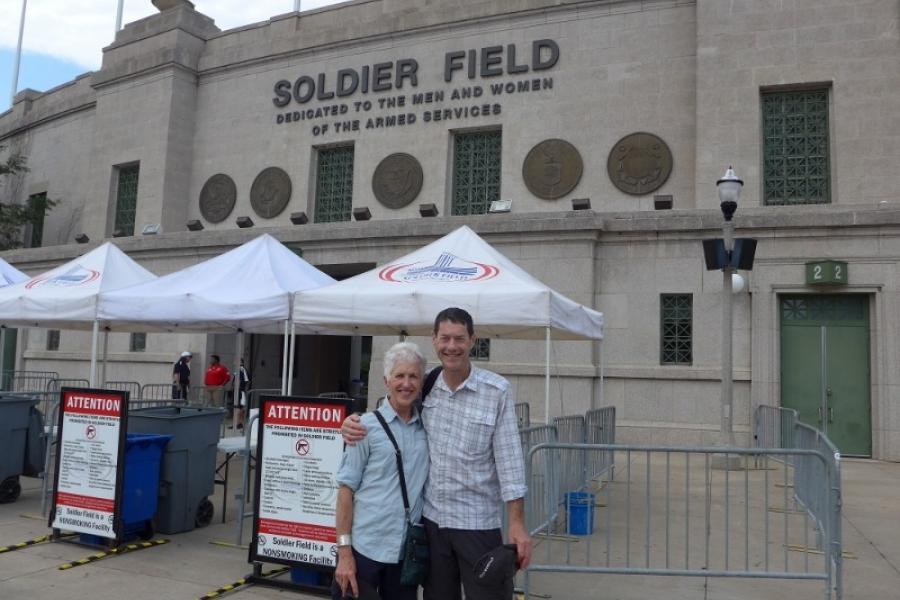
(10, 275)
(250, 287)
(460, 269)
(66, 297)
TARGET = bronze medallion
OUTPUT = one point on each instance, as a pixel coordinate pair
(397, 180)
(552, 169)
(639, 163)
(217, 198)
(270, 192)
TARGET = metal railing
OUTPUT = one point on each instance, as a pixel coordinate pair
(600, 428)
(27, 381)
(671, 512)
(570, 430)
(523, 414)
(773, 427)
(132, 387)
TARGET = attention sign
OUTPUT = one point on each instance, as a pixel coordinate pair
(88, 484)
(300, 450)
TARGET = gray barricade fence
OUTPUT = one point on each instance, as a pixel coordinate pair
(523, 414)
(155, 394)
(254, 395)
(540, 504)
(27, 381)
(600, 428)
(670, 512)
(570, 430)
(773, 427)
(132, 387)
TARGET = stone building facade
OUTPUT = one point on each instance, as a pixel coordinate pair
(467, 100)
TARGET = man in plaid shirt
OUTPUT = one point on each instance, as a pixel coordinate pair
(476, 462)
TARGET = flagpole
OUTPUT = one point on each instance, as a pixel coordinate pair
(296, 5)
(15, 76)
(119, 16)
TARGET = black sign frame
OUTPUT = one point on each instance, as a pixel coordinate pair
(118, 524)
(253, 555)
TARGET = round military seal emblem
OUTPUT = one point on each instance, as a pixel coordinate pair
(270, 192)
(639, 163)
(552, 169)
(217, 198)
(397, 180)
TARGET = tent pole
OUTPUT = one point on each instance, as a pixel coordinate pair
(284, 358)
(547, 378)
(236, 385)
(2, 356)
(105, 353)
(94, 338)
(290, 384)
(601, 375)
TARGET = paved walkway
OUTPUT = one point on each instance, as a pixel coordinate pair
(190, 566)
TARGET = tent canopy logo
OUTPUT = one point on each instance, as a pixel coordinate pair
(447, 267)
(75, 276)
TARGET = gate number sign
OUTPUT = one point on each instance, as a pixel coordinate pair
(829, 272)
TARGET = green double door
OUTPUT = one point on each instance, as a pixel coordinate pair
(825, 366)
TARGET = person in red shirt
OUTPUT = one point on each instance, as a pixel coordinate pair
(217, 375)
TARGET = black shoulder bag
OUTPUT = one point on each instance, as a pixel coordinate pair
(415, 558)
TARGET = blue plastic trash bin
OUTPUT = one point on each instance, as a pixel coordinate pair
(580, 513)
(140, 489)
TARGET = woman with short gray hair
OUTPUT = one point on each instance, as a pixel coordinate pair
(371, 519)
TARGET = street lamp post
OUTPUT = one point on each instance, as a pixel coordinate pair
(729, 194)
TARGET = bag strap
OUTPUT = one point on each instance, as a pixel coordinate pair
(399, 458)
(427, 385)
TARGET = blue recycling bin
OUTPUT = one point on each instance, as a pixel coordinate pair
(579, 513)
(140, 488)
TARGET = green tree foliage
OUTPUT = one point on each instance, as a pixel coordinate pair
(14, 216)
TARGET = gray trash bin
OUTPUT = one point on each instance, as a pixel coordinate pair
(188, 469)
(15, 416)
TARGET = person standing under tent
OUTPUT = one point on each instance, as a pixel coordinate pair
(181, 376)
(240, 404)
(476, 461)
(217, 375)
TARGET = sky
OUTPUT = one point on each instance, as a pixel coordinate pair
(64, 38)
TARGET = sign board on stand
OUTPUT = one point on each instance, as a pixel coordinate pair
(87, 490)
(299, 453)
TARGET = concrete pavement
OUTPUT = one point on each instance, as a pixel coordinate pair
(190, 565)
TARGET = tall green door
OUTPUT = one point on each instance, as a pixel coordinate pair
(825, 366)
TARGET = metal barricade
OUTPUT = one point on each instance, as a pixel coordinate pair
(132, 387)
(773, 427)
(523, 414)
(209, 395)
(254, 395)
(687, 512)
(570, 430)
(54, 385)
(600, 428)
(27, 381)
(544, 478)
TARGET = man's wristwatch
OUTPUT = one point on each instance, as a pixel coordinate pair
(343, 540)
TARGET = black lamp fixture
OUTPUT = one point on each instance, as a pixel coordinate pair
(663, 202)
(244, 222)
(729, 192)
(428, 210)
(82, 238)
(194, 225)
(299, 218)
(581, 204)
(362, 213)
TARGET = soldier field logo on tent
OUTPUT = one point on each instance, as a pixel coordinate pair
(77, 275)
(447, 267)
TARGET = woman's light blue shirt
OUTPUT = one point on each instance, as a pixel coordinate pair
(370, 469)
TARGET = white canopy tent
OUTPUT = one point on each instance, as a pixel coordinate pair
(9, 275)
(460, 269)
(249, 288)
(66, 297)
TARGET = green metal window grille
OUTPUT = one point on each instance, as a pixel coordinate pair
(53, 339)
(795, 147)
(476, 172)
(816, 309)
(37, 204)
(138, 342)
(126, 200)
(334, 184)
(481, 350)
(676, 329)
